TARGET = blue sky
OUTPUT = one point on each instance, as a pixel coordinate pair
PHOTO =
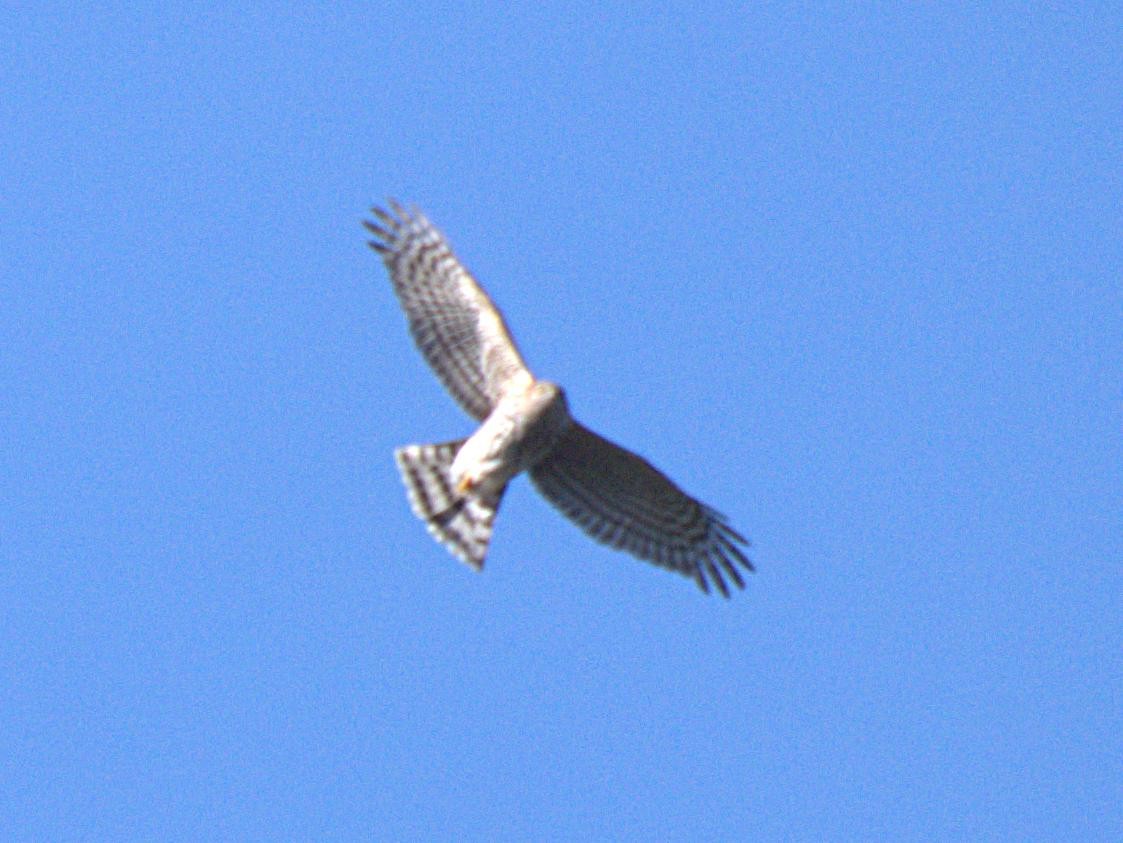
(850, 276)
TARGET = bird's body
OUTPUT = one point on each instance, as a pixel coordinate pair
(518, 433)
(456, 487)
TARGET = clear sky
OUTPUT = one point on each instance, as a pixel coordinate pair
(853, 277)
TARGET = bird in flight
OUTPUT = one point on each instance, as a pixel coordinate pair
(456, 487)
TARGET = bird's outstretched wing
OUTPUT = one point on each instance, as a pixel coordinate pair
(621, 500)
(456, 326)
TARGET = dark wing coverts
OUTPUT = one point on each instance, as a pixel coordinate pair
(623, 501)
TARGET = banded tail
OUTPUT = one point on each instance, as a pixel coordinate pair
(462, 523)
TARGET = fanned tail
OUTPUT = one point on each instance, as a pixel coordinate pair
(462, 523)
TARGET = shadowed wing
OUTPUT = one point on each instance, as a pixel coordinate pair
(456, 326)
(623, 501)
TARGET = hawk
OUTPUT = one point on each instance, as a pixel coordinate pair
(456, 487)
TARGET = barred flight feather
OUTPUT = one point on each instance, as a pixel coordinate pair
(446, 310)
(463, 524)
(609, 492)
